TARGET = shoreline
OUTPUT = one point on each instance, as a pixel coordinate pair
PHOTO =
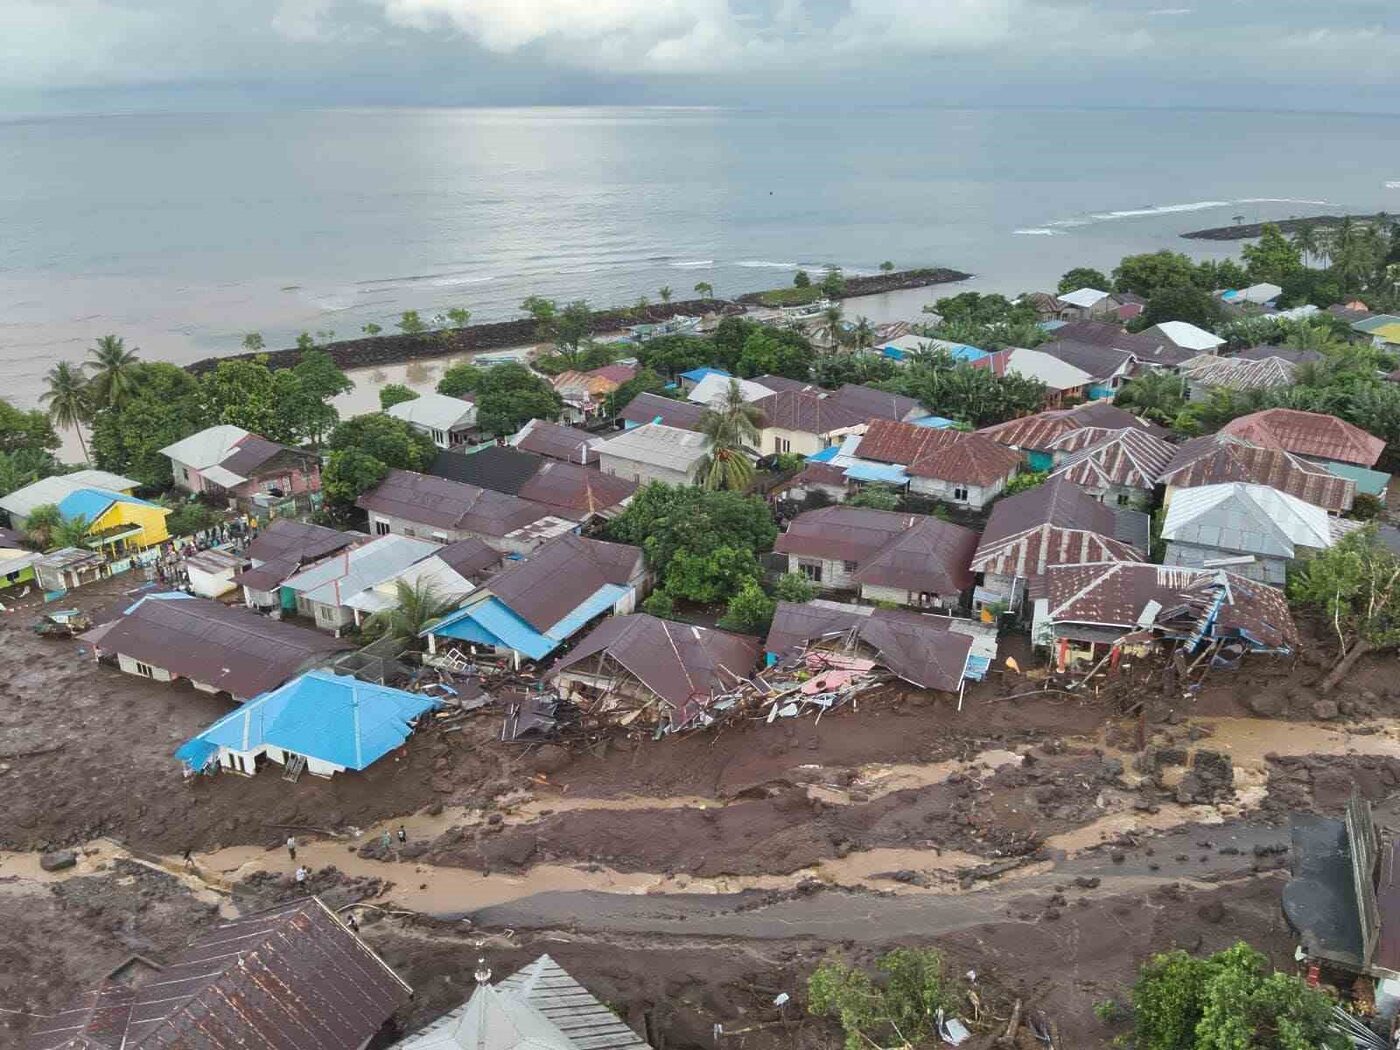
(390, 348)
(1249, 230)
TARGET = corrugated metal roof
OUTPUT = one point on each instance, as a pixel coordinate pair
(1308, 434)
(1239, 373)
(1056, 523)
(869, 403)
(93, 503)
(206, 641)
(210, 446)
(443, 504)
(1032, 364)
(1100, 362)
(499, 468)
(649, 407)
(947, 455)
(575, 491)
(347, 573)
(1083, 297)
(1249, 519)
(1217, 458)
(1187, 336)
(1371, 482)
(657, 445)
(1129, 457)
(556, 441)
(52, 490)
(435, 411)
(1040, 431)
(808, 412)
(715, 388)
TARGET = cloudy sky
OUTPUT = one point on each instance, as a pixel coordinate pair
(104, 55)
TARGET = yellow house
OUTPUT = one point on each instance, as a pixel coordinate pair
(117, 522)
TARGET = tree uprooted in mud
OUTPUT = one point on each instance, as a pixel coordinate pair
(1355, 585)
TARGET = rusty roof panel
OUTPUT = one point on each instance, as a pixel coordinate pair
(1308, 434)
(1218, 458)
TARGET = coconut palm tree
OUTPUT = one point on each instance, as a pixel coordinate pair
(114, 372)
(40, 523)
(863, 333)
(67, 399)
(731, 430)
(1156, 395)
(664, 293)
(418, 605)
(705, 290)
(1305, 240)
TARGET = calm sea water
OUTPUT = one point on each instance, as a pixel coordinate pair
(183, 232)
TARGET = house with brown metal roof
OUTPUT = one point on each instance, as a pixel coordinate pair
(1107, 368)
(1035, 436)
(556, 441)
(1218, 458)
(572, 491)
(645, 671)
(1120, 468)
(654, 408)
(282, 550)
(215, 647)
(869, 403)
(1056, 523)
(584, 393)
(949, 465)
(405, 503)
(293, 977)
(1086, 611)
(909, 559)
(803, 422)
(225, 460)
(1310, 434)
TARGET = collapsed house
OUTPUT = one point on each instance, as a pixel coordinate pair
(540, 1007)
(1086, 613)
(293, 977)
(642, 670)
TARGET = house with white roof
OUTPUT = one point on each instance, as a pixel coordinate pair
(1186, 336)
(1062, 380)
(1084, 304)
(714, 388)
(19, 503)
(447, 420)
(225, 460)
(653, 452)
(324, 591)
(1251, 530)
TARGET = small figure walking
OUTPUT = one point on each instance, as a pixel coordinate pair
(351, 922)
(292, 846)
(386, 841)
(189, 860)
(403, 835)
(301, 876)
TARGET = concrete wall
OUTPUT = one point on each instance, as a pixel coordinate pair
(642, 472)
(158, 674)
(799, 441)
(977, 497)
(911, 598)
(211, 584)
(404, 527)
(835, 576)
(1264, 569)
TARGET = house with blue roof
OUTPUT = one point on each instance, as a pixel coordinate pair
(690, 380)
(531, 609)
(116, 521)
(323, 722)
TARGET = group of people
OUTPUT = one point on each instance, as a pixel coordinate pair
(169, 569)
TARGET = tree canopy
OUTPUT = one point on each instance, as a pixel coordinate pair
(972, 395)
(1083, 277)
(1272, 258)
(901, 1010)
(365, 448)
(1181, 302)
(509, 395)
(1151, 272)
(391, 394)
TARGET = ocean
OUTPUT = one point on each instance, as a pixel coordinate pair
(182, 232)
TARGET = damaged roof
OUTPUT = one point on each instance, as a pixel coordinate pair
(946, 455)
(1308, 434)
(1217, 458)
(289, 978)
(918, 648)
(1056, 523)
(440, 503)
(205, 641)
(1129, 457)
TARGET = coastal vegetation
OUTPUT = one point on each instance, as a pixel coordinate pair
(364, 449)
(507, 395)
(731, 432)
(988, 322)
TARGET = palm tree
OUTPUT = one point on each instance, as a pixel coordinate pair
(40, 524)
(1156, 395)
(114, 372)
(863, 333)
(67, 398)
(830, 329)
(70, 532)
(731, 429)
(705, 290)
(664, 292)
(418, 605)
(1305, 240)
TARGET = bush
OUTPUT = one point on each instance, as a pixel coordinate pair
(1022, 482)
(749, 610)
(659, 603)
(795, 587)
(191, 517)
(900, 1011)
(395, 394)
(1366, 507)
(876, 497)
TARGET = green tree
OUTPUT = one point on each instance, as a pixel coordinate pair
(22, 430)
(1232, 1000)
(371, 329)
(306, 342)
(68, 400)
(714, 576)
(749, 610)
(242, 393)
(664, 293)
(731, 430)
(1305, 241)
(1083, 277)
(392, 394)
(887, 267)
(416, 605)
(644, 382)
(459, 317)
(253, 343)
(1026, 480)
(573, 327)
(350, 472)
(704, 289)
(1272, 258)
(801, 279)
(40, 525)
(1157, 396)
(321, 377)
(128, 440)
(862, 334)
(976, 396)
(659, 603)
(795, 587)
(459, 379)
(771, 351)
(70, 532)
(545, 312)
(876, 497)
(1182, 303)
(411, 324)
(1150, 273)
(834, 370)
(24, 467)
(510, 395)
(114, 372)
(833, 281)
(391, 441)
(900, 1011)
(1355, 586)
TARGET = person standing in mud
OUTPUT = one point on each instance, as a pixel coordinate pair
(302, 873)
(403, 836)
(292, 846)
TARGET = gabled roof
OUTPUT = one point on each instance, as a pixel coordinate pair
(1056, 523)
(1183, 603)
(53, 489)
(947, 455)
(227, 455)
(1234, 373)
(778, 384)
(682, 664)
(918, 648)
(1187, 336)
(1103, 333)
(561, 575)
(539, 1007)
(91, 504)
(1286, 353)
(1128, 457)
(285, 546)
(435, 412)
(1040, 431)
(443, 504)
(208, 448)
(1032, 364)
(807, 411)
(649, 407)
(657, 445)
(499, 468)
(292, 977)
(470, 557)
(1250, 519)
(225, 647)
(1308, 434)
(1083, 297)
(1221, 457)
(577, 492)
(556, 441)
(870, 403)
(1100, 362)
(714, 388)
(347, 573)
(334, 718)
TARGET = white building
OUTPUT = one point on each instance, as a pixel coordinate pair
(653, 452)
(447, 420)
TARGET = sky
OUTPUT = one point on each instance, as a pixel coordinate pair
(121, 55)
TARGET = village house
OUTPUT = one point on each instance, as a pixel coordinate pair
(714, 388)
(1152, 351)
(1322, 438)
(217, 648)
(1056, 523)
(925, 650)
(538, 1007)
(1253, 530)
(69, 567)
(117, 524)
(322, 593)
(1218, 458)
(567, 489)
(448, 574)
(229, 462)
(1380, 330)
(279, 552)
(556, 441)
(1084, 304)
(668, 411)
(803, 422)
(1062, 381)
(1118, 466)
(535, 606)
(449, 421)
(419, 505)
(872, 404)
(1287, 353)
(320, 723)
(955, 467)
(1036, 436)
(1207, 372)
(1186, 337)
(16, 561)
(305, 970)
(585, 393)
(661, 672)
(211, 572)
(908, 559)
(653, 452)
(688, 381)
(1087, 612)
(1108, 369)
(19, 503)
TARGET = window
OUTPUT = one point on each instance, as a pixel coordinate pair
(960, 492)
(781, 445)
(439, 438)
(381, 528)
(145, 670)
(811, 569)
(849, 566)
(1123, 498)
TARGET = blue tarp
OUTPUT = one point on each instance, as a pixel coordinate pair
(697, 374)
(934, 422)
(826, 455)
(963, 352)
(894, 353)
(330, 717)
(889, 473)
(1052, 324)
